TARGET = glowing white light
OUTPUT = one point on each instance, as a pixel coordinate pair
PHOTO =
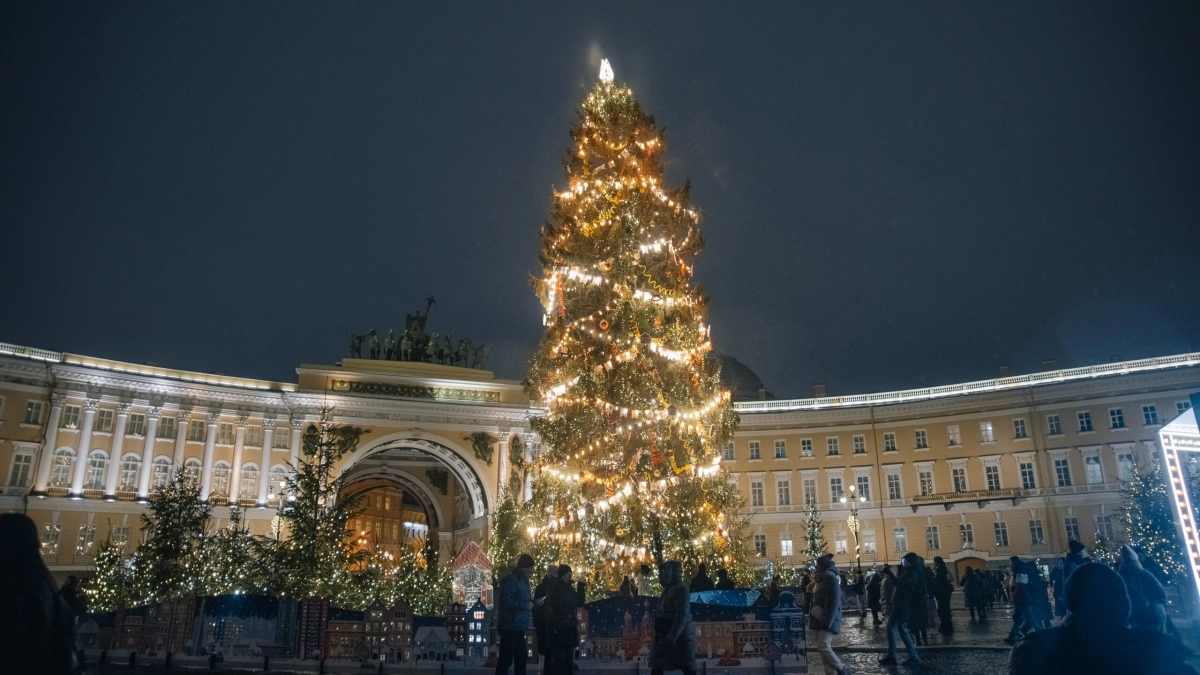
(606, 73)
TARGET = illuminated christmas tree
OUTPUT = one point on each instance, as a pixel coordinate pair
(814, 538)
(170, 563)
(637, 417)
(111, 587)
(1148, 519)
(230, 560)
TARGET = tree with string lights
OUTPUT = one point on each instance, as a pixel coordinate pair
(231, 561)
(636, 415)
(814, 537)
(1148, 520)
(170, 563)
(111, 587)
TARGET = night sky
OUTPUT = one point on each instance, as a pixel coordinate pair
(894, 196)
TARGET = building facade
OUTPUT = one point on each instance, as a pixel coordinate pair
(973, 472)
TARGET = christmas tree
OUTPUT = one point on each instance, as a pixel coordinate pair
(1149, 521)
(636, 414)
(814, 539)
(231, 563)
(319, 552)
(111, 587)
(170, 563)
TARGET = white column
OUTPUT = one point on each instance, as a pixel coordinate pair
(297, 424)
(118, 445)
(182, 419)
(264, 466)
(525, 455)
(235, 474)
(85, 447)
(503, 462)
(42, 480)
(210, 444)
(152, 416)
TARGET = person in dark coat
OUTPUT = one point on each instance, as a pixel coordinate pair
(1077, 556)
(540, 613)
(1018, 594)
(974, 590)
(1093, 638)
(514, 614)
(825, 615)
(874, 601)
(920, 622)
(908, 603)
(701, 582)
(1147, 599)
(724, 582)
(626, 589)
(1039, 606)
(943, 588)
(1058, 586)
(36, 627)
(674, 646)
(563, 629)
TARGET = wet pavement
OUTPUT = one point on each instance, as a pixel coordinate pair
(967, 633)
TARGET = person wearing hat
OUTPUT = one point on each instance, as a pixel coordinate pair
(514, 613)
(908, 603)
(1147, 598)
(674, 646)
(1077, 556)
(1093, 638)
(825, 615)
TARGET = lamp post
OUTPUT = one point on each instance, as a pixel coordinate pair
(852, 522)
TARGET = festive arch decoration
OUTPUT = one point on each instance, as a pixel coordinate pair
(1179, 440)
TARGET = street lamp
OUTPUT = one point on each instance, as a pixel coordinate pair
(852, 522)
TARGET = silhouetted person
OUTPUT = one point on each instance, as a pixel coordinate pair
(626, 588)
(1093, 639)
(724, 583)
(563, 631)
(825, 615)
(908, 603)
(514, 609)
(874, 590)
(1058, 585)
(1077, 556)
(975, 589)
(674, 634)
(943, 588)
(701, 582)
(1147, 599)
(36, 626)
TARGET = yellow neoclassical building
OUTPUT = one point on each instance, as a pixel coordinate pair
(973, 472)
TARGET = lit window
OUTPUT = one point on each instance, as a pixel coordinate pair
(130, 466)
(966, 535)
(785, 546)
(839, 542)
(60, 473)
(932, 540)
(953, 435)
(1125, 466)
(868, 541)
(1092, 467)
(97, 461)
(986, 435)
(900, 539)
(925, 478)
(87, 538)
(160, 472)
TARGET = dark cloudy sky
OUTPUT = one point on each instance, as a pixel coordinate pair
(894, 195)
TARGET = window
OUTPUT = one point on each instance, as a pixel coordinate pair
(280, 442)
(760, 545)
(868, 541)
(728, 456)
(254, 437)
(922, 439)
(136, 426)
(959, 474)
(1085, 421)
(893, 484)
(1062, 472)
(889, 442)
(1001, 530)
(70, 417)
(1149, 415)
(120, 535)
(835, 489)
(104, 421)
(160, 472)
(130, 464)
(1093, 473)
(87, 537)
(220, 479)
(1071, 524)
(954, 435)
(50, 535)
(97, 461)
(60, 472)
(1116, 418)
(166, 427)
(806, 449)
(899, 540)
(1104, 528)
(860, 445)
(831, 444)
(1019, 429)
(1036, 536)
(756, 493)
(22, 464)
(932, 541)
(925, 478)
(863, 483)
(966, 535)
(809, 484)
(196, 431)
(783, 491)
(191, 469)
(1182, 407)
(992, 473)
(225, 433)
(33, 412)
(1027, 480)
(986, 434)
(754, 450)
(785, 546)
(1053, 425)
(1125, 466)
(839, 542)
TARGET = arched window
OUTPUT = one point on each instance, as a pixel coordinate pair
(220, 479)
(249, 487)
(60, 475)
(131, 464)
(278, 484)
(191, 468)
(97, 461)
(160, 472)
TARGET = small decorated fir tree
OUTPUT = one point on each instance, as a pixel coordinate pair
(814, 538)
(111, 587)
(1149, 521)
(170, 563)
(231, 562)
